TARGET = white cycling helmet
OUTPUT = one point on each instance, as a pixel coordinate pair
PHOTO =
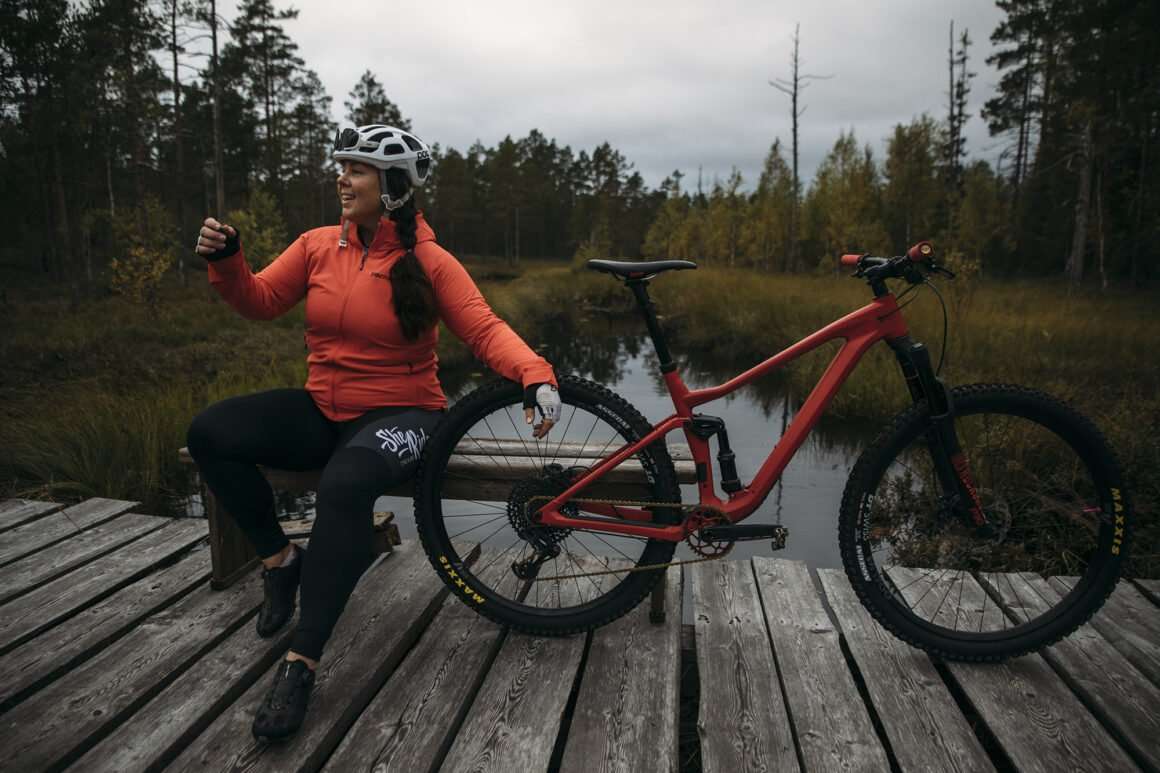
(385, 147)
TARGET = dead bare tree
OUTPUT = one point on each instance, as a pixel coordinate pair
(793, 88)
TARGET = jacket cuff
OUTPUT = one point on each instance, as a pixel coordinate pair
(539, 374)
(228, 268)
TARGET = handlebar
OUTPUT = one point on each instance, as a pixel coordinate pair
(875, 269)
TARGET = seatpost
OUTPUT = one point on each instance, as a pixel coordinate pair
(640, 291)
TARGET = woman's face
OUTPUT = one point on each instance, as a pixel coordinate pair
(358, 191)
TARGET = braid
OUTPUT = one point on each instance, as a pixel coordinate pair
(414, 297)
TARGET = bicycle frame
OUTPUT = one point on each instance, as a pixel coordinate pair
(880, 320)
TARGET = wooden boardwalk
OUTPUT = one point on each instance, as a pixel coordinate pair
(118, 656)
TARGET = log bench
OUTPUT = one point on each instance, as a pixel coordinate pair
(232, 555)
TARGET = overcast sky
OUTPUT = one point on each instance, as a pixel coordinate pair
(672, 85)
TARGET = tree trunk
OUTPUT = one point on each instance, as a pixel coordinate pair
(1079, 236)
(179, 185)
(63, 240)
(218, 166)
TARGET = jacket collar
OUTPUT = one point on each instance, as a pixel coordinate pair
(387, 235)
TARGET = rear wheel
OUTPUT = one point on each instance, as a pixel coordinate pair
(1058, 527)
(482, 475)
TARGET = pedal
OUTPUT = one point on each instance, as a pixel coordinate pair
(745, 532)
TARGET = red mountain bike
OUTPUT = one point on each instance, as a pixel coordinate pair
(965, 498)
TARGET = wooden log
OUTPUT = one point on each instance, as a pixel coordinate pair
(743, 723)
(1109, 685)
(485, 471)
(549, 449)
(42, 533)
(388, 611)
(14, 512)
(411, 723)
(26, 573)
(37, 611)
(34, 664)
(625, 718)
(926, 729)
(74, 713)
(517, 713)
(832, 724)
(1036, 719)
(1130, 622)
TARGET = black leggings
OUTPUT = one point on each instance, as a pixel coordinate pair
(283, 428)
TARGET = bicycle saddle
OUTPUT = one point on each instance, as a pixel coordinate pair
(638, 269)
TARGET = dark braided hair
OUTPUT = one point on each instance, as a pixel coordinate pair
(414, 297)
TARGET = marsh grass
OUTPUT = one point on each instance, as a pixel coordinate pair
(95, 399)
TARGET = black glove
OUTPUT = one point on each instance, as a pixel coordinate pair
(233, 244)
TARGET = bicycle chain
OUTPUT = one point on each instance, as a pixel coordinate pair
(647, 567)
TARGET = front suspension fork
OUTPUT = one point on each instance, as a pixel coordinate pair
(950, 463)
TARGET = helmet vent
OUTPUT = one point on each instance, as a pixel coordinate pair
(412, 143)
(422, 166)
(378, 137)
(393, 149)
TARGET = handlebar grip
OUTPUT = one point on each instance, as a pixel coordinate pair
(851, 260)
(920, 252)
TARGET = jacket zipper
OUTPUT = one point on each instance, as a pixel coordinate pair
(341, 316)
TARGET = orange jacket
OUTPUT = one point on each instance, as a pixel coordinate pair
(358, 358)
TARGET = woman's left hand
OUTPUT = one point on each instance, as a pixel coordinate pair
(547, 399)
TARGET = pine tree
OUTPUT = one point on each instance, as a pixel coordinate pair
(367, 103)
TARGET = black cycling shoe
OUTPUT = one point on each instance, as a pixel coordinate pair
(280, 586)
(284, 707)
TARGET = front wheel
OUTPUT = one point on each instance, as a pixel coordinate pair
(481, 478)
(1057, 531)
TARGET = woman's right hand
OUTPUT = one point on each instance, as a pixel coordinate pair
(216, 240)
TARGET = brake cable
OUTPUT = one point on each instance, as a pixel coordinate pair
(941, 354)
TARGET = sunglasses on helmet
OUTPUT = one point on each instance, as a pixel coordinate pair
(346, 139)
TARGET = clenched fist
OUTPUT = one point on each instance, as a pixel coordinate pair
(216, 240)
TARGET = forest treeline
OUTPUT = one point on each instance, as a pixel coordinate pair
(124, 122)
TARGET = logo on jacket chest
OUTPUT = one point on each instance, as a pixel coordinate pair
(380, 275)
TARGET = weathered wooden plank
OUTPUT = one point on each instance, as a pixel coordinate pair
(743, 722)
(625, 718)
(31, 665)
(386, 614)
(37, 535)
(1112, 688)
(1130, 622)
(1034, 716)
(411, 723)
(832, 724)
(40, 609)
(14, 512)
(73, 713)
(26, 573)
(550, 449)
(926, 729)
(158, 731)
(1150, 588)
(515, 718)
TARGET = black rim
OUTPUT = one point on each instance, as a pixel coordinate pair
(498, 438)
(1049, 496)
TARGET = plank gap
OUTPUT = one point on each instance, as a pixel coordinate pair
(689, 705)
(987, 739)
(569, 709)
(863, 692)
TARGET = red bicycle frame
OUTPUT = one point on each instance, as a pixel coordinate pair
(861, 329)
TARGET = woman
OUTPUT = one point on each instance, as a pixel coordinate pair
(375, 287)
